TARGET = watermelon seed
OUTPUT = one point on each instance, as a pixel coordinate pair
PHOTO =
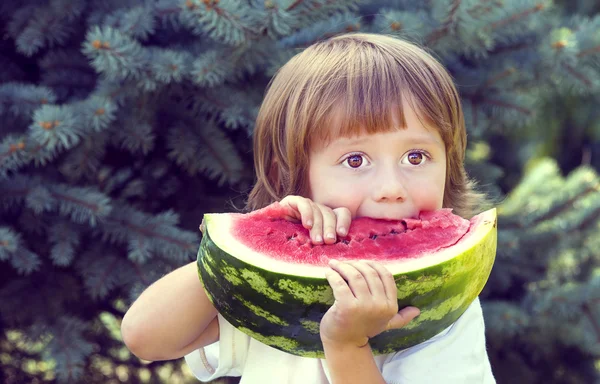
(394, 232)
(345, 241)
(372, 237)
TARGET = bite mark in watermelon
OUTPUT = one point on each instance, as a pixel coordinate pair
(267, 279)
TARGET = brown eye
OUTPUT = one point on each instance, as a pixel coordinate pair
(416, 158)
(355, 161)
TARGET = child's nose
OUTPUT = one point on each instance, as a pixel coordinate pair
(391, 189)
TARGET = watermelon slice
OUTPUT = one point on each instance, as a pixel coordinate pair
(267, 279)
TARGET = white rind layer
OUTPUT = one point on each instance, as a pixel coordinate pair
(218, 225)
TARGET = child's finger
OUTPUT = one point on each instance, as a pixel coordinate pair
(316, 232)
(202, 227)
(329, 224)
(356, 281)
(341, 291)
(300, 208)
(403, 317)
(343, 219)
(387, 279)
(372, 278)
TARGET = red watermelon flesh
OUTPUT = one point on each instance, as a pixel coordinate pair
(267, 232)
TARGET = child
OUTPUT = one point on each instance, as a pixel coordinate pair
(356, 125)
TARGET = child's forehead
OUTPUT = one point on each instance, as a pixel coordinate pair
(424, 137)
(341, 127)
(338, 123)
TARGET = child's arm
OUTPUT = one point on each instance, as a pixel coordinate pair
(171, 318)
(365, 305)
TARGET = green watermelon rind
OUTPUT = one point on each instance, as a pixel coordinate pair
(284, 310)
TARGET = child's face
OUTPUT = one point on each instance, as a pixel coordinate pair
(389, 175)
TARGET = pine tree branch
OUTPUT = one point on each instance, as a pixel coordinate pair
(434, 36)
(92, 207)
(525, 268)
(507, 105)
(140, 273)
(445, 28)
(479, 94)
(213, 5)
(578, 75)
(85, 158)
(168, 11)
(66, 349)
(480, 9)
(558, 209)
(294, 5)
(474, 112)
(589, 51)
(149, 232)
(510, 48)
(98, 208)
(33, 102)
(589, 220)
(105, 45)
(21, 146)
(12, 148)
(504, 74)
(588, 312)
(585, 308)
(215, 154)
(561, 208)
(517, 16)
(104, 276)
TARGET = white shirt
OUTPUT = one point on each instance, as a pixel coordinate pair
(457, 355)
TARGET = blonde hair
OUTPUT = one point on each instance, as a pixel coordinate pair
(367, 75)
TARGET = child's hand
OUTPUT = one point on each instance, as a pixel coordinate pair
(324, 223)
(364, 307)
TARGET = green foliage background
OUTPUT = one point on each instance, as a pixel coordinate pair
(123, 121)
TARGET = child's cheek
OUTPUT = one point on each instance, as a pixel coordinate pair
(429, 198)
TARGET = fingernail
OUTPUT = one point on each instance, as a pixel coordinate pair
(342, 231)
(309, 223)
(330, 236)
(318, 238)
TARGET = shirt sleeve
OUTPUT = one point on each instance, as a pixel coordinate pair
(225, 357)
(457, 355)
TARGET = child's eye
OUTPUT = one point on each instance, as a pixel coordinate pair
(415, 158)
(355, 161)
